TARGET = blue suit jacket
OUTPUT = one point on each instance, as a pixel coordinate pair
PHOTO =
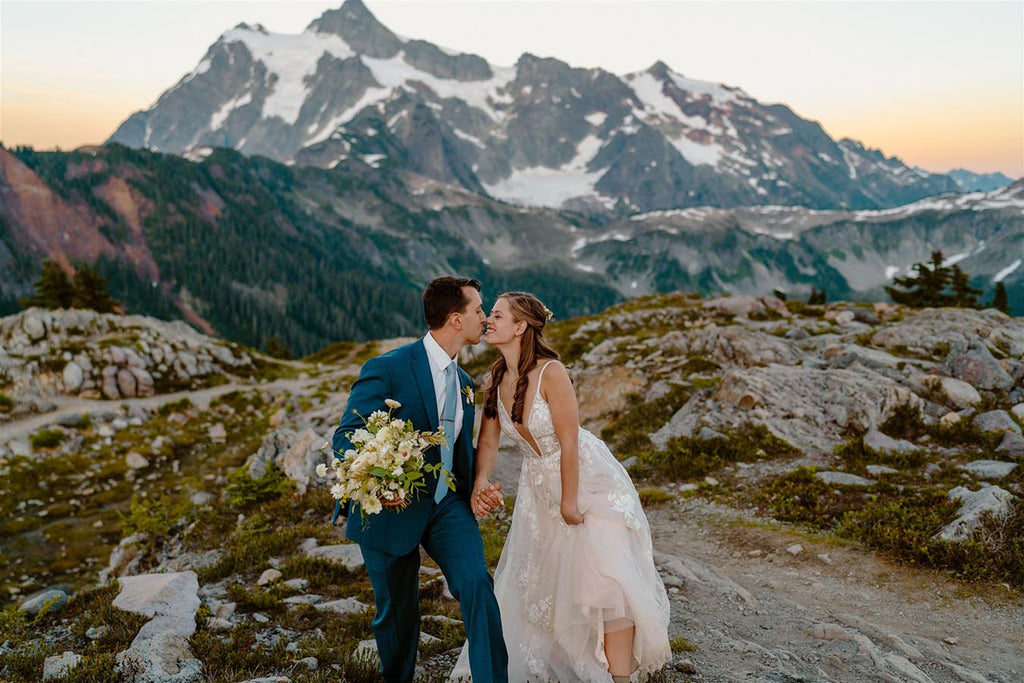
(404, 375)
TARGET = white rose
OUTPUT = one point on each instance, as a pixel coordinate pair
(321, 470)
(392, 403)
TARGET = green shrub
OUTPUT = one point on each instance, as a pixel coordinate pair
(175, 406)
(687, 457)
(46, 438)
(680, 644)
(6, 403)
(799, 496)
(652, 497)
(156, 516)
(629, 432)
(244, 492)
(905, 422)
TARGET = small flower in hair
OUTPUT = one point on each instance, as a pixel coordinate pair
(548, 314)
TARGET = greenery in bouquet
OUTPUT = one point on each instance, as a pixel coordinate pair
(385, 468)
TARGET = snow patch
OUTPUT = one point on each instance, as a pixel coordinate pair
(543, 186)
(1001, 275)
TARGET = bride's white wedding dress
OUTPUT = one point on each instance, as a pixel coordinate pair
(560, 588)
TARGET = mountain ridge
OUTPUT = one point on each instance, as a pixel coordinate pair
(615, 145)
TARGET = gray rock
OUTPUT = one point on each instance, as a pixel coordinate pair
(843, 479)
(957, 392)
(135, 461)
(126, 383)
(708, 434)
(33, 326)
(300, 460)
(973, 505)
(347, 554)
(877, 442)
(996, 421)
(58, 666)
(267, 577)
(988, 469)
(343, 606)
(73, 377)
(876, 470)
(35, 603)
(974, 363)
(1018, 411)
(297, 584)
(217, 432)
(309, 599)
(160, 651)
(1012, 444)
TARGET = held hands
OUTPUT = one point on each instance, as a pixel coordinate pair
(486, 497)
(571, 513)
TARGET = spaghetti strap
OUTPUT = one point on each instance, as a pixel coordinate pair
(540, 377)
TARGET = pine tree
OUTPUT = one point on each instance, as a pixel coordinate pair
(90, 291)
(817, 297)
(926, 288)
(964, 296)
(1000, 300)
(52, 289)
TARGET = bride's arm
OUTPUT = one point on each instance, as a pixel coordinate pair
(486, 495)
(556, 387)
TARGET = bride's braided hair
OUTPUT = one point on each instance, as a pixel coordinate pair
(527, 308)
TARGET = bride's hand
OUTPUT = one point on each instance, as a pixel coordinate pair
(571, 514)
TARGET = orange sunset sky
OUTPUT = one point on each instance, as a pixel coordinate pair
(938, 84)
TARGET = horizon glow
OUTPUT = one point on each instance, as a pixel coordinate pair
(938, 84)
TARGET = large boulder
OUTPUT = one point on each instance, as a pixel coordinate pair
(160, 652)
(973, 507)
(973, 363)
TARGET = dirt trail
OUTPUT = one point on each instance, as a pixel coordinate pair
(757, 612)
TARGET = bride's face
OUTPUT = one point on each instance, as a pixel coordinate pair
(501, 328)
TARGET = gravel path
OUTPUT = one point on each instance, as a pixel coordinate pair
(758, 612)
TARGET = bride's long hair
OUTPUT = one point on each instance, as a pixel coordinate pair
(524, 307)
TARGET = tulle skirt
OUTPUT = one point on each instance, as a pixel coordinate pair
(561, 588)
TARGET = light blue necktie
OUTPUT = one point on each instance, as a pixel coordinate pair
(451, 401)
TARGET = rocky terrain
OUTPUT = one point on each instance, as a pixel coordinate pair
(834, 493)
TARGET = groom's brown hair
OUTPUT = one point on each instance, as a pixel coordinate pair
(444, 296)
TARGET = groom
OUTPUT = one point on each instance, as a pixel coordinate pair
(434, 391)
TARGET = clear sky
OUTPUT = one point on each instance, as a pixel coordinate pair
(939, 84)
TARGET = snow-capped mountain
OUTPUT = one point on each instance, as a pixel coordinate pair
(538, 133)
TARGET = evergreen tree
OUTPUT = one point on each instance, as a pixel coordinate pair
(52, 289)
(90, 291)
(927, 287)
(964, 296)
(1000, 300)
(817, 297)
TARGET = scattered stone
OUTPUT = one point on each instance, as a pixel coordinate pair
(348, 554)
(58, 666)
(996, 421)
(311, 663)
(260, 617)
(268, 577)
(973, 505)
(218, 433)
(1012, 444)
(297, 584)
(949, 419)
(135, 461)
(876, 470)
(343, 606)
(877, 442)
(200, 498)
(958, 393)
(35, 603)
(708, 434)
(97, 632)
(950, 640)
(974, 363)
(1018, 411)
(794, 549)
(309, 599)
(73, 376)
(988, 469)
(685, 666)
(160, 651)
(843, 479)
(226, 610)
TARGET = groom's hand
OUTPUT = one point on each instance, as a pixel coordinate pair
(486, 496)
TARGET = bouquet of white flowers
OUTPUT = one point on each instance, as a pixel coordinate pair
(386, 467)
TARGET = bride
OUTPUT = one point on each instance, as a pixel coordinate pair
(579, 596)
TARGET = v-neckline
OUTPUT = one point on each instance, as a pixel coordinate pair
(525, 434)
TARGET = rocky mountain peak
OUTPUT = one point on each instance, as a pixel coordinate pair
(659, 70)
(359, 28)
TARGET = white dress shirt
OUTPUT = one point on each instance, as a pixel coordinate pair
(439, 362)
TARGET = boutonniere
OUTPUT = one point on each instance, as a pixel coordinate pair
(467, 391)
